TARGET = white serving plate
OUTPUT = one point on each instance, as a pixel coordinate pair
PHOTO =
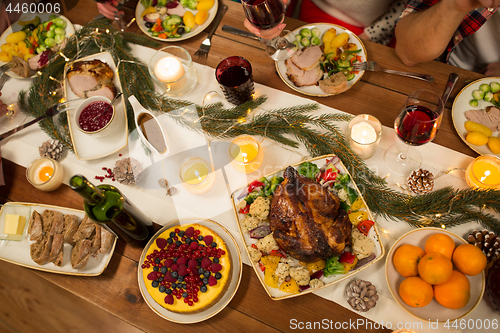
(89, 147)
(70, 30)
(461, 104)
(221, 303)
(18, 252)
(196, 30)
(277, 294)
(316, 90)
(433, 311)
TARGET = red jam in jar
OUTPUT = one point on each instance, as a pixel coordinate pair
(91, 111)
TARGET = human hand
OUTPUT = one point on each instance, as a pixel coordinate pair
(109, 9)
(492, 69)
(3, 108)
(268, 33)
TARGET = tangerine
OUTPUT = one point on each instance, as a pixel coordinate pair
(406, 259)
(469, 259)
(440, 243)
(455, 292)
(435, 268)
(415, 292)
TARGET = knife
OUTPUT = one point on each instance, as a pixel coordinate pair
(3, 79)
(239, 32)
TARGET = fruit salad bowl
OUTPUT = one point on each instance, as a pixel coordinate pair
(433, 311)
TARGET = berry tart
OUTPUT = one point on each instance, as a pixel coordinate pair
(187, 268)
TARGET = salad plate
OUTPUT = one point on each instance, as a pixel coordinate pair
(194, 31)
(89, 147)
(219, 305)
(461, 105)
(316, 91)
(433, 311)
(351, 201)
(18, 252)
(44, 17)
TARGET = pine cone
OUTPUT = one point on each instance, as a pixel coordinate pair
(487, 241)
(361, 295)
(420, 181)
(52, 149)
(127, 170)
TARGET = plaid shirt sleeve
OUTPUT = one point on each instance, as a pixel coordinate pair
(470, 24)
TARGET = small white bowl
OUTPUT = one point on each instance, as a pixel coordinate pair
(106, 130)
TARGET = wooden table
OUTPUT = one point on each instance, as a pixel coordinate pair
(112, 302)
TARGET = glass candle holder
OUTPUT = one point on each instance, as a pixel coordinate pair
(364, 133)
(173, 69)
(246, 154)
(484, 172)
(45, 174)
(196, 175)
(234, 75)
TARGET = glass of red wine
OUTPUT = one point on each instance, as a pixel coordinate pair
(417, 124)
(265, 15)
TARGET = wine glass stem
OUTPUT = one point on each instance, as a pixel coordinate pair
(404, 154)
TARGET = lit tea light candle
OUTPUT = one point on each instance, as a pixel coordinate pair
(173, 70)
(246, 154)
(364, 135)
(45, 174)
(169, 69)
(484, 172)
(196, 175)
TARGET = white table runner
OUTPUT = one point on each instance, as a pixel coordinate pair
(152, 199)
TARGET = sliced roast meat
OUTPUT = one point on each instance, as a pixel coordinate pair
(291, 69)
(310, 77)
(490, 117)
(35, 228)
(86, 76)
(80, 254)
(107, 90)
(40, 250)
(70, 228)
(308, 58)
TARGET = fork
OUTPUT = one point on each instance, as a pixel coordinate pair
(206, 44)
(51, 112)
(372, 66)
(5, 67)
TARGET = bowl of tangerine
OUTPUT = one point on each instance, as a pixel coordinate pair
(435, 275)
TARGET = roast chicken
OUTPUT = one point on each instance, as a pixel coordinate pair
(91, 78)
(306, 219)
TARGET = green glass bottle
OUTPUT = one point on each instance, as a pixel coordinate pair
(105, 204)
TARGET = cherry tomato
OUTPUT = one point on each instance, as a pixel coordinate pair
(365, 226)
